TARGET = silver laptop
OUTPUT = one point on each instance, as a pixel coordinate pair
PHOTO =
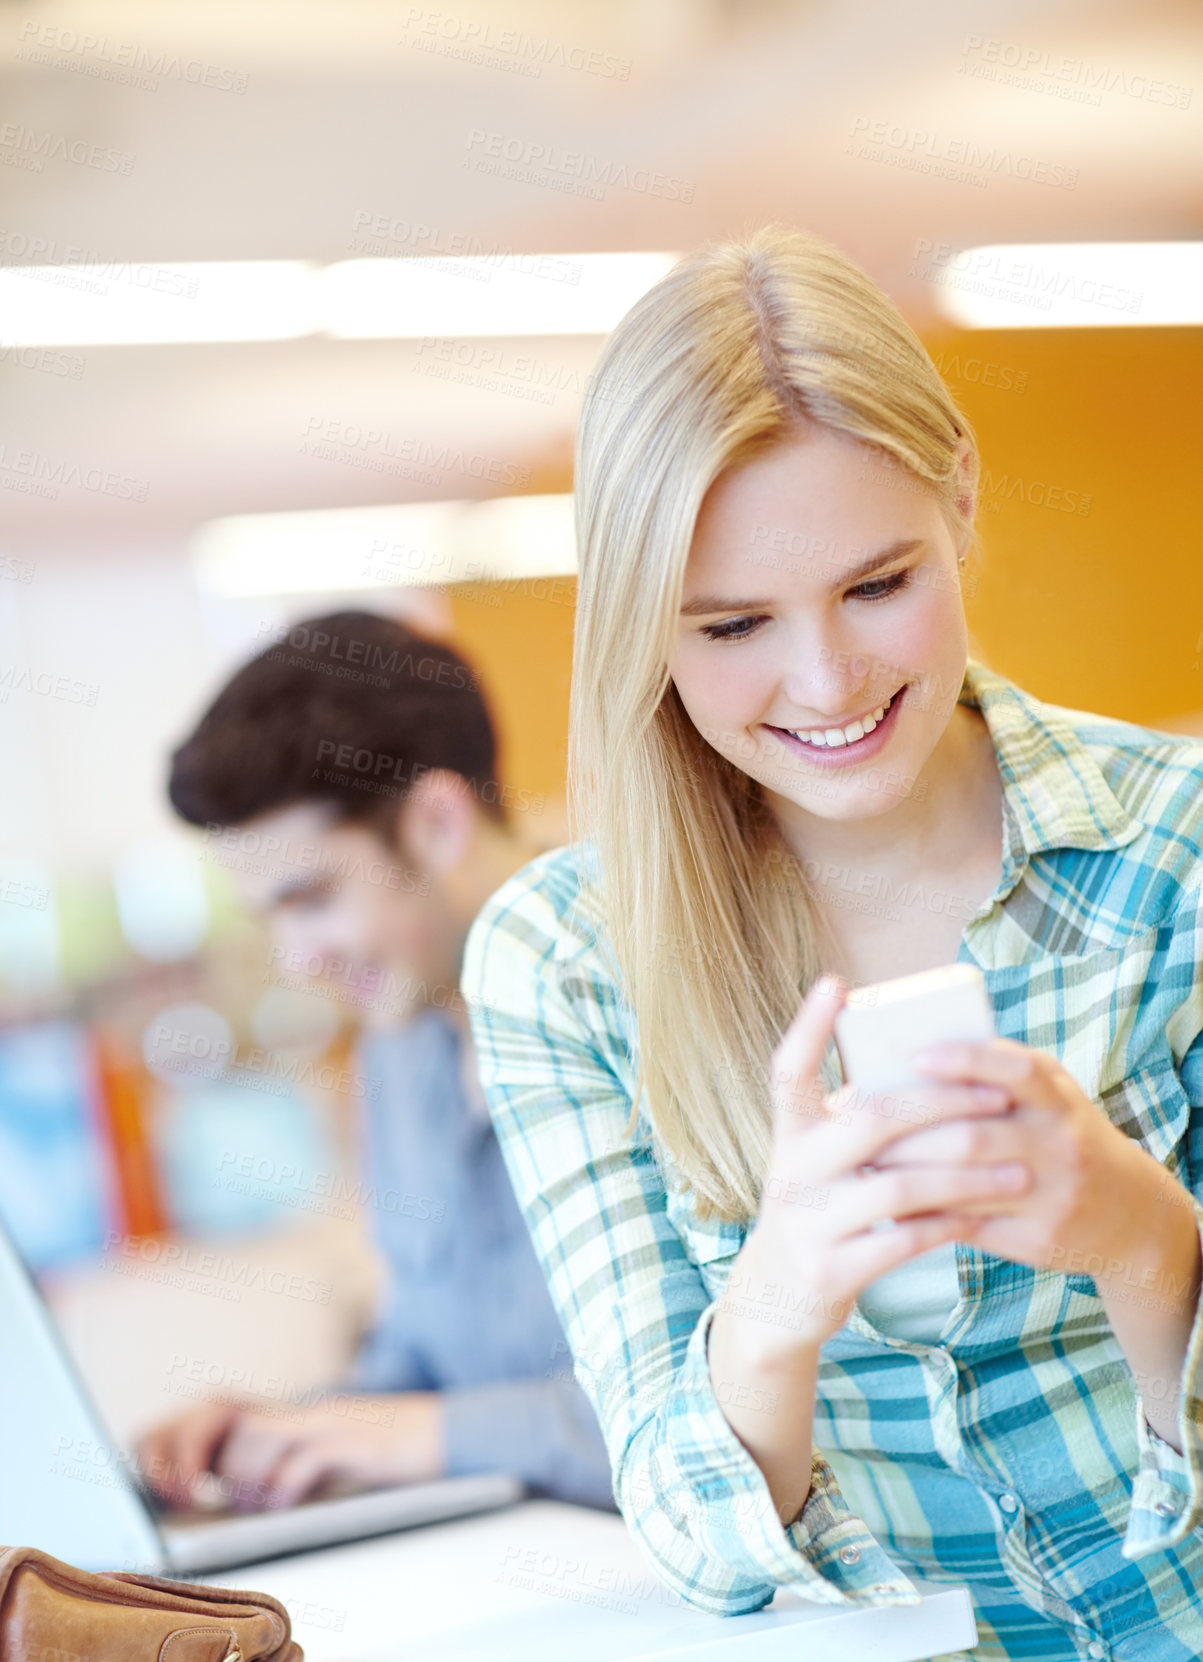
(67, 1488)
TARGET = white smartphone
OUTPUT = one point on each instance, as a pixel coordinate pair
(882, 1025)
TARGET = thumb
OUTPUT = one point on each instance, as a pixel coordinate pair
(796, 1082)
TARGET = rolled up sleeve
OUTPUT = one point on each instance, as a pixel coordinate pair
(1167, 1493)
(554, 1055)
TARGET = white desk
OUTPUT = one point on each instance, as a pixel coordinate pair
(544, 1580)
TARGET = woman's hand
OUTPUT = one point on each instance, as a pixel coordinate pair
(814, 1246)
(1099, 1204)
(1096, 1197)
(814, 1234)
(251, 1456)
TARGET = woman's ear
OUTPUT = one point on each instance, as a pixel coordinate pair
(966, 495)
(437, 821)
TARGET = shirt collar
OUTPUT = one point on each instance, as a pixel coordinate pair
(1054, 790)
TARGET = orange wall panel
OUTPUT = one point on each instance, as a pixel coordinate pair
(1089, 581)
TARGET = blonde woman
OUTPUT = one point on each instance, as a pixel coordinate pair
(834, 1340)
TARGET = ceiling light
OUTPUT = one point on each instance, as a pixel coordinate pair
(128, 304)
(514, 294)
(416, 544)
(125, 303)
(1062, 285)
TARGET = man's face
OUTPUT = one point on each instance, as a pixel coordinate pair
(350, 916)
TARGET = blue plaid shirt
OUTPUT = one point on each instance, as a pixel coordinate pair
(1012, 1455)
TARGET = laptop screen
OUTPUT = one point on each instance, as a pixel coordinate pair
(64, 1486)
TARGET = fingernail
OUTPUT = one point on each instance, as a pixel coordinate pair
(827, 986)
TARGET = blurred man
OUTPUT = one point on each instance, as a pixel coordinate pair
(353, 762)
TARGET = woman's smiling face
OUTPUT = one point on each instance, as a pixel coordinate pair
(822, 584)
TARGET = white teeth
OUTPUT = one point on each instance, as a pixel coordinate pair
(833, 737)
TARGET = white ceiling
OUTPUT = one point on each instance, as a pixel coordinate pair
(359, 110)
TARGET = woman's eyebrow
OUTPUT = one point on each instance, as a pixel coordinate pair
(705, 605)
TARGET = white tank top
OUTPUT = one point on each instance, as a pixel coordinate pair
(915, 1300)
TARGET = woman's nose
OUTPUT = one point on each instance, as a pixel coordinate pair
(820, 692)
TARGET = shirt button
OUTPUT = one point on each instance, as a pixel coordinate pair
(1096, 1650)
(1008, 1503)
(849, 1555)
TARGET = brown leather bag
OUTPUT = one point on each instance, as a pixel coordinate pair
(52, 1612)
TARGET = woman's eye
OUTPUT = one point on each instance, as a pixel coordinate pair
(735, 629)
(878, 588)
(882, 587)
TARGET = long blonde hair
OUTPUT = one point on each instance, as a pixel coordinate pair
(712, 924)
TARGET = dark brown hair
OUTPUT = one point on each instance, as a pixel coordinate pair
(351, 708)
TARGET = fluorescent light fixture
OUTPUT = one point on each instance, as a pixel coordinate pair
(124, 303)
(127, 304)
(1066, 285)
(416, 544)
(513, 294)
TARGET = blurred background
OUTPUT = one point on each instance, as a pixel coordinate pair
(206, 321)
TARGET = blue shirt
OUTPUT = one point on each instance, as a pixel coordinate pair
(466, 1309)
(1008, 1450)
